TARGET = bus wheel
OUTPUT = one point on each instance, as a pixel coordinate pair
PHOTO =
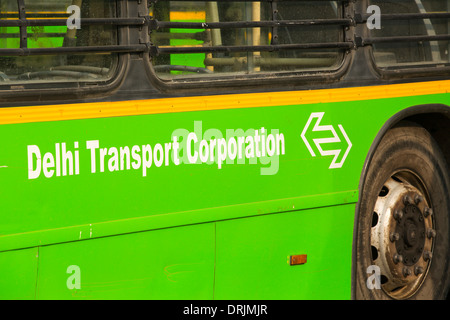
(402, 244)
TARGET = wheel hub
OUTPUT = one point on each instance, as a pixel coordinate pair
(411, 229)
(402, 237)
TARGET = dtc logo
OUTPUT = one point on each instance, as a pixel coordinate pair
(336, 138)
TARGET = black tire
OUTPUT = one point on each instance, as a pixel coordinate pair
(406, 156)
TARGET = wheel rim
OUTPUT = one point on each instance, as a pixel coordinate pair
(402, 234)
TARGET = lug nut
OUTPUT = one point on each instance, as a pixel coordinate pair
(398, 215)
(394, 236)
(418, 198)
(418, 270)
(397, 258)
(407, 199)
(406, 272)
(427, 255)
(431, 233)
(427, 212)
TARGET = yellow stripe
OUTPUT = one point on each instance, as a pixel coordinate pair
(187, 16)
(219, 102)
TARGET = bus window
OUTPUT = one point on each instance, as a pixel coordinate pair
(226, 38)
(412, 34)
(49, 51)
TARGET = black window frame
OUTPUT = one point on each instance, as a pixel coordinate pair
(74, 90)
(256, 80)
(397, 72)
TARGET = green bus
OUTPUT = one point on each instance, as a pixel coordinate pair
(224, 150)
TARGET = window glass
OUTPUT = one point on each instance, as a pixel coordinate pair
(409, 52)
(50, 64)
(232, 48)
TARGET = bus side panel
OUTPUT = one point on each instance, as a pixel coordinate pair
(54, 175)
(253, 255)
(161, 264)
(18, 274)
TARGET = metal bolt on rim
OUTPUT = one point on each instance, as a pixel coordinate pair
(402, 236)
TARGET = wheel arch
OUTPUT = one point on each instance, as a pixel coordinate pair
(435, 118)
